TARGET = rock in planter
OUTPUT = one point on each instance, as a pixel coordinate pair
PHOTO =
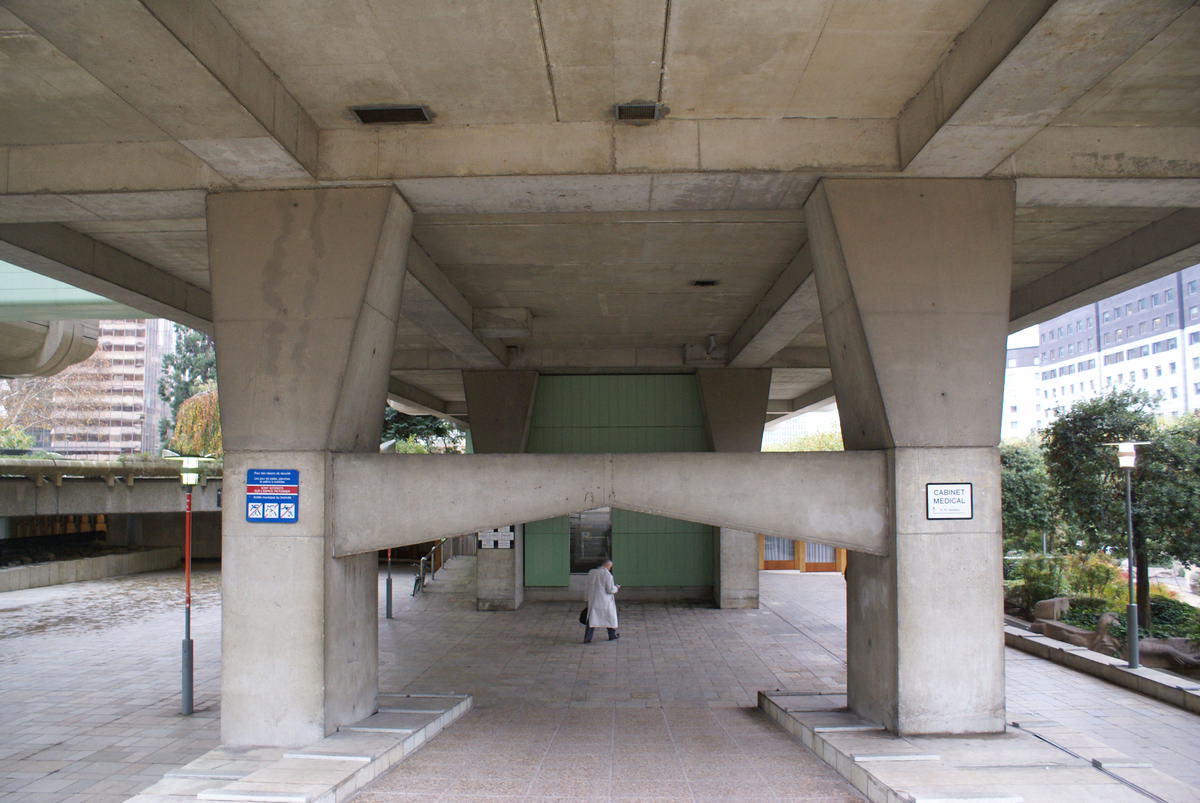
(1051, 608)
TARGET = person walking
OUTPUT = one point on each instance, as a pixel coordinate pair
(601, 606)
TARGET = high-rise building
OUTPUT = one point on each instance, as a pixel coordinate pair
(109, 404)
(1147, 337)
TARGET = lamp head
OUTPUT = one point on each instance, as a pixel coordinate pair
(1127, 454)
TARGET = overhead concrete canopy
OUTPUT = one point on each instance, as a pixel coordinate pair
(547, 235)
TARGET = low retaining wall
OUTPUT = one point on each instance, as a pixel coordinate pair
(1169, 688)
(71, 571)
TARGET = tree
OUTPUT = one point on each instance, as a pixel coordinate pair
(826, 440)
(1168, 491)
(15, 438)
(1089, 486)
(67, 402)
(430, 432)
(1027, 510)
(198, 426)
(186, 371)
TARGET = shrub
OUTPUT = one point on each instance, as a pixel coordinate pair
(1036, 577)
(1084, 612)
(1089, 573)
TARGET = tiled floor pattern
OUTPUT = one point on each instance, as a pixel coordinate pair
(90, 686)
(89, 695)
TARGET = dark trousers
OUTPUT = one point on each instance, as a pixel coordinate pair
(587, 633)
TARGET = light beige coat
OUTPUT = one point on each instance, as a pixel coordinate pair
(602, 607)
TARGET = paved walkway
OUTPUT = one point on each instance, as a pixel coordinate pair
(89, 695)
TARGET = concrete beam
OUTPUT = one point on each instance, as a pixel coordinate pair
(43, 348)
(432, 302)
(209, 37)
(61, 253)
(411, 400)
(589, 148)
(76, 496)
(380, 501)
(788, 308)
(977, 51)
(1163, 247)
(238, 116)
(991, 94)
(787, 408)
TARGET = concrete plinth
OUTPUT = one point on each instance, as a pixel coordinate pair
(913, 278)
(306, 290)
(500, 575)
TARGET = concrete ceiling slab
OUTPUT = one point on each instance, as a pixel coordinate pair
(118, 116)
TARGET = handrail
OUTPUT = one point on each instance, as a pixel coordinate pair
(420, 581)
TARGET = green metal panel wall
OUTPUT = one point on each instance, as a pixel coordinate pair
(547, 552)
(636, 413)
(596, 414)
(654, 551)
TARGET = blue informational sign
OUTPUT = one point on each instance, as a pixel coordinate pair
(272, 495)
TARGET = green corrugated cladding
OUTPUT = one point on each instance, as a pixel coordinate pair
(637, 413)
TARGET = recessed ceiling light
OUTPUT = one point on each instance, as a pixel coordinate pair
(705, 282)
(376, 115)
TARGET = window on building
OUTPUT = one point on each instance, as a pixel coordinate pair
(1129, 308)
(1196, 362)
(1170, 319)
(1128, 331)
(1171, 367)
(1174, 392)
(1193, 313)
(1116, 312)
(1120, 377)
(1154, 300)
(1107, 338)
(1157, 324)
(1141, 304)
(1142, 328)
(1012, 408)
(591, 538)
(1169, 295)
(1070, 329)
(1060, 351)
(1089, 320)
(1193, 338)
(1106, 316)
(1108, 381)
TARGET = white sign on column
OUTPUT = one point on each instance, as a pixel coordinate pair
(948, 500)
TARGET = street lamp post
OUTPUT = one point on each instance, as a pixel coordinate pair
(1127, 459)
(189, 475)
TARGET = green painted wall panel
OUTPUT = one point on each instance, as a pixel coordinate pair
(547, 552)
(621, 414)
(655, 551)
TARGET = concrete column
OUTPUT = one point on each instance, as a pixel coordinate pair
(914, 280)
(501, 404)
(306, 288)
(735, 408)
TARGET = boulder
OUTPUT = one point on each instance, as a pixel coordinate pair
(1051, 608)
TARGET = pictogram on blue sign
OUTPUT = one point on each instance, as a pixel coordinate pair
(272, 495)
